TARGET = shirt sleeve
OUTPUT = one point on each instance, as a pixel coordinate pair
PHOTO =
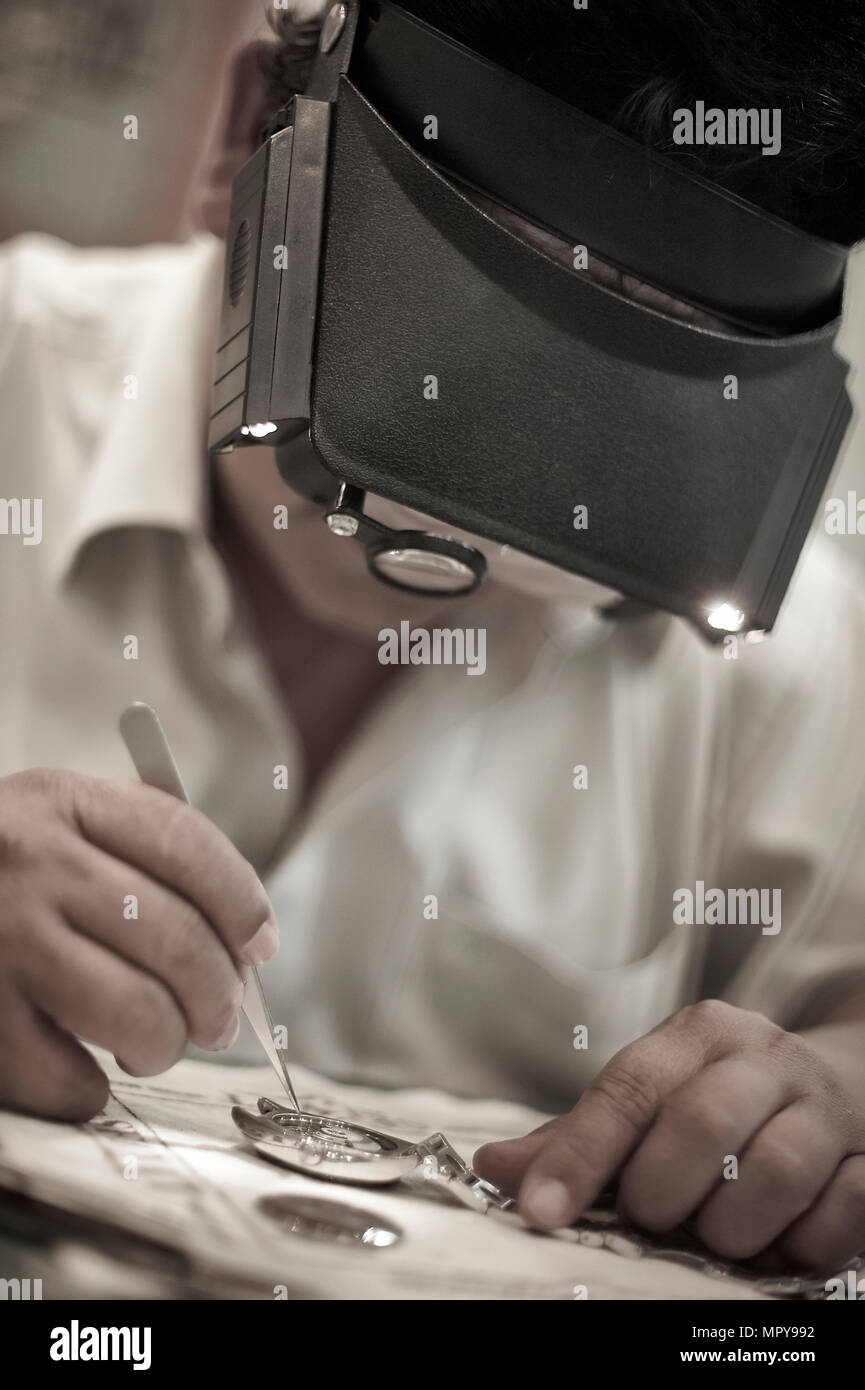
(794, 818)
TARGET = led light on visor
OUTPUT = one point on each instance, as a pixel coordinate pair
(259, 431)
(726, 618)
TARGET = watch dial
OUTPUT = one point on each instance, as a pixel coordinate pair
(335, 1138)
(324, 1147)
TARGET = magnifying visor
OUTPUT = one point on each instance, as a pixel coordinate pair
(388, 337)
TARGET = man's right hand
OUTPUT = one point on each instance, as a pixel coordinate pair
(79, 857)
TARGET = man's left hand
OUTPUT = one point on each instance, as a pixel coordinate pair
(665, 1116)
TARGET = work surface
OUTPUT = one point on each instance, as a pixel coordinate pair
(165, 1162)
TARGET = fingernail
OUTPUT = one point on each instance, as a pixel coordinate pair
(263, 946)
(227, 1038)
(548, 1204)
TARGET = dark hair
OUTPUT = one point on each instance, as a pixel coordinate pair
(632, 63)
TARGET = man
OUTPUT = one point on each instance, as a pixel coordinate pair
(476, 878)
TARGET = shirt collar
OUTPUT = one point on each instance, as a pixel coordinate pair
(147, 466)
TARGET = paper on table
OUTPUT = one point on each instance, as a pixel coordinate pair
(165, 1160)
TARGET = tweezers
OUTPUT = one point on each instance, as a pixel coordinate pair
(154, 762)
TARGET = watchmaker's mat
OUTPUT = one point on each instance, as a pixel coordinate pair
(165, 1161)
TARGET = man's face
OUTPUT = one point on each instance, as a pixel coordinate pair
(512, 569)
(327, 575)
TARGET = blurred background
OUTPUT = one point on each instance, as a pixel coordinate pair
(72, 73)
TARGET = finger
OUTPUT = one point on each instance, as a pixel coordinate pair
(505, 1161)
(177, 845)
(698, 1128)
(89, 991)
(781, 1173)
(43, 1070)
(168, 937)
(582, 1155)
(832, 1232)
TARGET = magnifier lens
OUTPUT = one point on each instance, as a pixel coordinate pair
(426, 570)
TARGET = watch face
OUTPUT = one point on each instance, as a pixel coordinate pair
(326, 1148)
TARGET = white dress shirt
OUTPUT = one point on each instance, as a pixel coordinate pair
(452, 906)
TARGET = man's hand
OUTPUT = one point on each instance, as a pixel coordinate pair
(79, 958)
(665, 1114)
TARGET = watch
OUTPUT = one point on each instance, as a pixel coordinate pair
(343, 1151)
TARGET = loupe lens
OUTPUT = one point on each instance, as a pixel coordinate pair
(428, 571)
(424, 569)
